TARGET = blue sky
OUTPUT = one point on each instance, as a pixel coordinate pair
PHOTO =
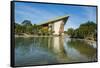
(39, 13)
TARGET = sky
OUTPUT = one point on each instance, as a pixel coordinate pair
(38, 13)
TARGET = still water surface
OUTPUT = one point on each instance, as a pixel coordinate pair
(52, 50)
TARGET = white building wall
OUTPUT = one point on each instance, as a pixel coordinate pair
(56, 27)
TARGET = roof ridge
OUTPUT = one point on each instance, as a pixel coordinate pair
(56, 18)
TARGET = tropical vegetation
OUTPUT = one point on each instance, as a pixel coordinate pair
(86, 30)
(28, 28)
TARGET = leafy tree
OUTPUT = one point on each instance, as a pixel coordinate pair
(18, 28)
(85, 30)
(35, 29)
(70, 32)
(27, 26)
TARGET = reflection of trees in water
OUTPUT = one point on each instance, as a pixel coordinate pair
(53, 49)
(34, 51)
(35, 42)
(27, 44)
(82, 47)
(23, 45)
(44, 42)
(51, 44)
(54, 45)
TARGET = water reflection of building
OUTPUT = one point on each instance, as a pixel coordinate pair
(56, 26)
(76, 50)
(56, 45)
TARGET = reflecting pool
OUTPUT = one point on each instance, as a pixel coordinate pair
(53, 50)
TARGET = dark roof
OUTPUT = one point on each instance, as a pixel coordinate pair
(56, 19)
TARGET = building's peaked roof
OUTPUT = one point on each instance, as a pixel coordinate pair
(56, 19)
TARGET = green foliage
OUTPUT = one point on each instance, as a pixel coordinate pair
(18, 28)
(86, 30)
(70, 32)
(35, 29)
(27, 27)
(24, 27)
